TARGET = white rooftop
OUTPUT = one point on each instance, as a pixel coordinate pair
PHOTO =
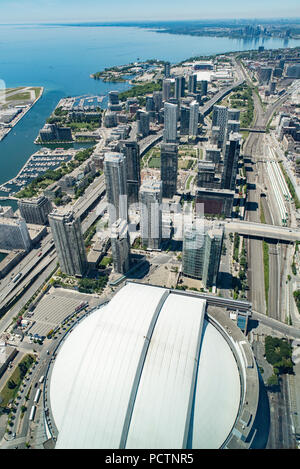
(145, 371)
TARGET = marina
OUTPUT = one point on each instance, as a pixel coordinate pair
(43, 160)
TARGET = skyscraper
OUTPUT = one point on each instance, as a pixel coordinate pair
(113, 97)
(194, 119)
(131, 150)
(158, 100)
(204, 86)
(170, 123)
(120, 246)
(232, 126)
(150, 105)
(231, 158)
(206, 174)
(168, 169)
(14, 234)
(192, 84)
(202, 244)
(116, 185)
(264, 75)
(227, 119)
(35, 210)
(233, 114)
(68, 240)
(179, 87)
(184, 120)
(143, 124)
(151, 214)
(219, 119)
(167, 69)
(166, 89)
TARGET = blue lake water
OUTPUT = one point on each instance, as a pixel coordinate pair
(61, 58)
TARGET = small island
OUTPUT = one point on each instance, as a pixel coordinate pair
(126, 73)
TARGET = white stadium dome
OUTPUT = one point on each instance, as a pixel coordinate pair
(149, 369)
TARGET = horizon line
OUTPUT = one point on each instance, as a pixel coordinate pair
(280, 19)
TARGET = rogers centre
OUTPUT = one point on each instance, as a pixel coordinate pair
(153, 368)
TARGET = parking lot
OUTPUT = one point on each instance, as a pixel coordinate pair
(55, 306)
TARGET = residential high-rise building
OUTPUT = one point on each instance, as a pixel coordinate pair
(168, 169)
(120, 246)
(170, 123)
(213, 153)
(233, 114)
(167, 69)
(151, 214)
(150, 105)
(184, 120)
(35, 210)
(202, 244)
(113, 97)
(231, 158)
(14, 234)
(264, 75)
(293, 71)
(272, 87)
(158, 100)
(277, 72)
(204, 86)
(227, 120)
(179, 87)
(166, 89)
(206, 173)
(213, 248)
(131, 150)
(116, 185)
(232, 126)
(219, 119)
(194, 119)
(53, 132)
(192, 84)
(69, 244)
(143, 124)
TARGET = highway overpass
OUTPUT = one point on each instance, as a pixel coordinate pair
(205, 110)
(263, 231)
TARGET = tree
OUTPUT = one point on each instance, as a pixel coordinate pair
(11, 384)
(273, 381)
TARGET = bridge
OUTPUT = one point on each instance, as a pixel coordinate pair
(263, 231)
(260, 130)
(148, 142)
(205, 110)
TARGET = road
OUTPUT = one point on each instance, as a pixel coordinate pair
(254, 152)
(281, 430)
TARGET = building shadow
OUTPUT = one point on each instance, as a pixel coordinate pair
(251, 206)
(262, 418)
(140, 268)
(225, 281)
(252, 324)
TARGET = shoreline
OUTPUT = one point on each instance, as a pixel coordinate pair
(14, 122)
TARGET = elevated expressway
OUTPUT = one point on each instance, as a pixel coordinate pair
(263, 231)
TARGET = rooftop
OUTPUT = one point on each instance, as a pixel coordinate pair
(129, 364)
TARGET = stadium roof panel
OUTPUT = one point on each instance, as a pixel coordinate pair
(148, 370)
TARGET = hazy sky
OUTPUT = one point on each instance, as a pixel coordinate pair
(14, 11)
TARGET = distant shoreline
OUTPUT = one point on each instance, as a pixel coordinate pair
(14, 122)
